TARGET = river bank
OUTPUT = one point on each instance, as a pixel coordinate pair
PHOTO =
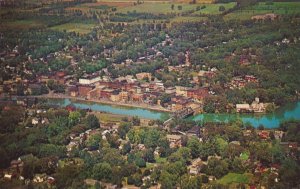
(110, 108)
(131, 105)
(288, 112)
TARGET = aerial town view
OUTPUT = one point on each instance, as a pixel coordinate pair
(160, 94)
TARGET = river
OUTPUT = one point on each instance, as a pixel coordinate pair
(113, 109)
(290, 111)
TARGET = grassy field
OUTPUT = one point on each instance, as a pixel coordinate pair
(175, 1)
(187, 19)
(160, 8)
(157, 8)
(80, 28)
(235, 178)
(214, 8)
(20, 24)
(280, 8)
(106, 117)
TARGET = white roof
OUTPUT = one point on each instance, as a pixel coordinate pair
(243, 106)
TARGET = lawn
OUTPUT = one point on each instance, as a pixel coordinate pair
(280, 8)
(80, 28)
(244, 156)
(160, 159)
(67, 161)
(106, 117)
(235, 178)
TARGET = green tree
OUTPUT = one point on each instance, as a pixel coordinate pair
(289, 173)
(123, 129)
(66, 175)
(221, 8)
(167, 180)
(74, 118)
(92, 121)
(217, 168)
(194, 145)
(102, 171)
(172, 6)
(190, 182)
(136, 120)
(30, 167)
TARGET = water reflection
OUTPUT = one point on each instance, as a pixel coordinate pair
(121, 110)
(289, 112)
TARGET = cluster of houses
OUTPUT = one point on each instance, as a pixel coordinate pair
(16, 169)
(130, 89)
(269, 16)
(241, 81)
(255, 107)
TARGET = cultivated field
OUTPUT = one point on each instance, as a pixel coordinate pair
(282, 8)
(80, 28)
(214, 8)
(20, 24)
(160, 8)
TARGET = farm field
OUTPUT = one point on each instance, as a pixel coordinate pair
(214, 8)
(157, 8)
(20, 24)
(160, 8)
(80, 28)
(187, 19)
(281, 8)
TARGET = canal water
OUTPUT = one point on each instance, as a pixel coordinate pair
(113, 109)
(289, 112)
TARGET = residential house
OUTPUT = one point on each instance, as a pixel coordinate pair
(106, 93)
(255, 107)
(174, 140)
(59, 77)
(124, 96)
(293, 146)
(90, 79)
(73, 91)
(115, 97)
(35, 121)
(181, 91)
(242, 108)
(196, 166)
(194, 131)
(83, 90)
(198, 94)
(265, 134)
(278, 135)
(137, 97)
(93, 94)
(170, 90)
(269, 16)
(34, 89)
(143, 75)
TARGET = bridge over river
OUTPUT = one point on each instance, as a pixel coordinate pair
(180, 114)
